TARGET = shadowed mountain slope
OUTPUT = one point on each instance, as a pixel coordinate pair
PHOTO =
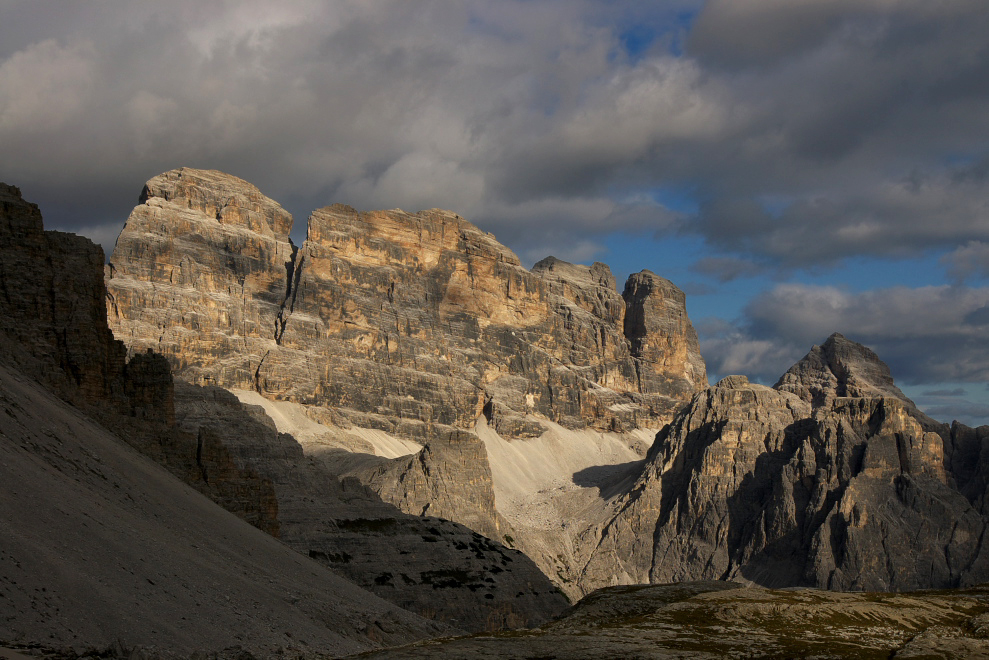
(832, 480)
(101, 546)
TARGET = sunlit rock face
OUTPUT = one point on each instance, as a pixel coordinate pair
(833, 480)
(661, 336)
(394, 320)
(199, 275)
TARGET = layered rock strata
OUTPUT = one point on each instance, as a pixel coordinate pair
(396, 321)
(831, 480)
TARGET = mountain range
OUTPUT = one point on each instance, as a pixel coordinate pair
(419, 417)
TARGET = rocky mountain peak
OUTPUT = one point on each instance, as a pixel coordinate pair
(18, 214)
(661, 335)
(840, 367)
(226, 198)
(597, 274)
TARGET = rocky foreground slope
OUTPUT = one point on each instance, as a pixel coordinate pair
(101, 547)
(714, 620)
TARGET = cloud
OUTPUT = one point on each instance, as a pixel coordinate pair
(958, 391)
(925, 334)
(741, 34)
(726, 269)
(971, 260)
(973, 414)
(45, 86)
(892, 218)
(103, 235)
(698, 289)
(868, 119)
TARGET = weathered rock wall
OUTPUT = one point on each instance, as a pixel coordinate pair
(53, 302)
(397, 321)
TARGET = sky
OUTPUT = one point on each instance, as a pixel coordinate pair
(797, 167)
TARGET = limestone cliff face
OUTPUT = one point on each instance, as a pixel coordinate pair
(450, 478)
(200, 275)
(397, 321)
(831, 480)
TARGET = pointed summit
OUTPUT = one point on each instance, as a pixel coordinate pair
(838, 368)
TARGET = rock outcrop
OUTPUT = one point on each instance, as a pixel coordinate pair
(395, 321)
(425, 564)
(419, 325)
(53, 303)
(54, 325)
(840, 368)
(662, 336)
(103, 547)
(232, 453)
(714, 620)
(831, 480)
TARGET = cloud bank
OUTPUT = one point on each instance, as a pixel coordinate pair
(795, 135)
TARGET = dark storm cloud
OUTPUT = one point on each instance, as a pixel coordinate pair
(854, 113)
(727, 269)
(979, 412)
(737, 35)
(893, 218)
(958, 391)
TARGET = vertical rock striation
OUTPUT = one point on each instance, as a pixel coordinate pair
(201, 274)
